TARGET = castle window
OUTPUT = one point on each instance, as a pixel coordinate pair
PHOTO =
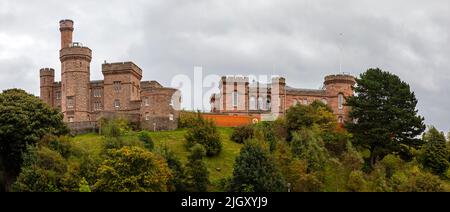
(340, 101)
(70, 102)
(252, 103)
(117, 86)
(171, 117)
(146, 101)
(340, 120)
(269, 104)
(147, 116)
(295, 102)
(117, 104)
(58, 95)
(324, 101)
(97, 93)
(70, 119)
(97, 106)
(235, 99)
(260, 103)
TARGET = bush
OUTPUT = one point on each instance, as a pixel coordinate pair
(206, 134)
(256, 171)
(197, 175)
(178, 170)
(242, 133)
(114, 127)
(144, 136)
(133, 169)
(306, 145)
(187, 119)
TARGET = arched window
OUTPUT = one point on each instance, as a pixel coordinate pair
(341, 120)
(260, 103)
(268, 104)
(340, 101)
(252, 103)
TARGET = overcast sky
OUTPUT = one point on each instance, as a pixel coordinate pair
(297, 39)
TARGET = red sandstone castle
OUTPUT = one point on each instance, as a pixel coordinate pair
(239, 97)
(121, 94)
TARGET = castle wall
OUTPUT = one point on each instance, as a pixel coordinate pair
(159, 109)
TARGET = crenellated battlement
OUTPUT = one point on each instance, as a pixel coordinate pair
(340, 78)
(47, 72)
(75, 52)
(122, 67)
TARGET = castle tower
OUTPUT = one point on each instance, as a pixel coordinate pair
(337, 88)
(47, 76)
(75, 76)
(66, 28)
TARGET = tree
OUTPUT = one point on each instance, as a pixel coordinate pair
(384, 110)
(133, 169)
(24, 119)
(42, 171)
(435, 152)
(255, 170)
(205, 133)
(307, 146)
(242, 133)
(177, 168)
(300, 116)
(197, 175)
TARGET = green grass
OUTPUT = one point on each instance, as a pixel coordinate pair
(175, 141)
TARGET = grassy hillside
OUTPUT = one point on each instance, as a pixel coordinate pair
(174, 140)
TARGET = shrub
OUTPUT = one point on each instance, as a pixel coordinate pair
(306, 145)
(206, 134)
(114, 127)
(133, 169)
(187, 119)
(144, 136)
(197, 175)
(256, 171)
(242, 133)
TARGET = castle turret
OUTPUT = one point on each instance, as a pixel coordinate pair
(66, 28)
(47, 76)
(337, 88)
(75, 76)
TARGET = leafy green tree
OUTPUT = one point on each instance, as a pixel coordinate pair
(386, 117)
(177, 168)
(133, 169)
(299, 117)
(254, 168)
(205, 133)
(435, 153)
(242, 133)
(42, 171)
(24, 119)
(197, 175)
(306, 145)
